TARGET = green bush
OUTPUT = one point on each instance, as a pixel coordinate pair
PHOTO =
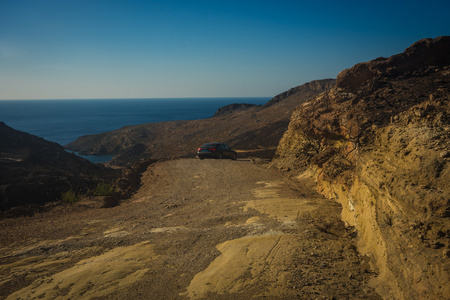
(70, 197)
(104, 189)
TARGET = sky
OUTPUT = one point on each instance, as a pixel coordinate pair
(85, 49)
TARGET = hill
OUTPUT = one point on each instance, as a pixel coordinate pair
(232, 108)
(256, 129)
(378, 143)
(36, 171)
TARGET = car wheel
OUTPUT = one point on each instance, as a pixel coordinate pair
(234, 157)
(220, 155)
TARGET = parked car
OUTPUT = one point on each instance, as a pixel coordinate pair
(216, 150)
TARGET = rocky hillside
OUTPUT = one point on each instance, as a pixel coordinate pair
(36, 171)
(379, 144)
(232, 108)
(256, 130)
(308, 89)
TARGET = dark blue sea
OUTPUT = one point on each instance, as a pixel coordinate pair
(63, 121)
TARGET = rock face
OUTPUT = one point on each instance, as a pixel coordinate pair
(36, 171)
(256, 130)
(378, 143)
(315, 86)
(422, 57)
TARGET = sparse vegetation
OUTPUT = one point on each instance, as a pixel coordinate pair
(70, 197)
(104, 189)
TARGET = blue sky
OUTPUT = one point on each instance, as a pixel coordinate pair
(58, 49)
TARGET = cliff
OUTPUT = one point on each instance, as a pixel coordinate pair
(255, 130)
(36, 171)
(378, 143)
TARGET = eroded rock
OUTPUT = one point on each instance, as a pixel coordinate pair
(378, 145)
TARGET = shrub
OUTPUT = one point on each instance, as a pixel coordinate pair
(104, 189)
(70, 197)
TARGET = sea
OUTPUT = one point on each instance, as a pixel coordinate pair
(63, 121)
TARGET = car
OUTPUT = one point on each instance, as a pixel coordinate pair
(216, 150)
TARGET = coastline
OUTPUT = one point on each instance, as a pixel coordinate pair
(63, 121)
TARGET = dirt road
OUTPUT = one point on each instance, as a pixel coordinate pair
(212, 229)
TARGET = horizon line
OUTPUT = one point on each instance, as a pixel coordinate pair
(119, 98)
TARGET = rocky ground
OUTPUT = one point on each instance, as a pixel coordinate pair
(212, 229)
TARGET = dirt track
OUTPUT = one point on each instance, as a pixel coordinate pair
(213, 229)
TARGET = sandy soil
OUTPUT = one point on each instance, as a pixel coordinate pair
(212, 229)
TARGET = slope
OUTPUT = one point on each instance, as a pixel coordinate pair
(36, 171)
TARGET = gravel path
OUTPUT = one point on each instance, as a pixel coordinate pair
(211, 229)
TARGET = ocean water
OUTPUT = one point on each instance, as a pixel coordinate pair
(63, 121)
